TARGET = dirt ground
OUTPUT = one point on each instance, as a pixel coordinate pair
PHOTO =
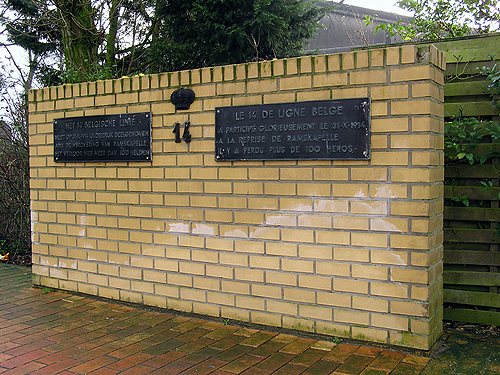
(477, 329)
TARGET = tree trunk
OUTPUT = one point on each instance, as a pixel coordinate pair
(80, 36)
(155, 30)
(114, 14)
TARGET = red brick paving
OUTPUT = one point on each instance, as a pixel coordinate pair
(58, 333)
(309, 357)
(275, 361)
(164, 359)
(137, 370)
(241, 364)
(57, 367)
(26, 368)
(354, 364)
(20, 359)
(130, 361)
(93, 365)
(205, 367)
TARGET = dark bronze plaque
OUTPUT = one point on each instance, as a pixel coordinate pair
(322, 129)
(124, 137)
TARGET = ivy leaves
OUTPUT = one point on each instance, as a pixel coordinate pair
(464, 134)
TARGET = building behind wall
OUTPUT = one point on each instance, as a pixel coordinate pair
(344, 28)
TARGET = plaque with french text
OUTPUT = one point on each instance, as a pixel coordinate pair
(312, 130)
(121, 137)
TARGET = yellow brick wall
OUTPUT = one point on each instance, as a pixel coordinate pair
(343, 248)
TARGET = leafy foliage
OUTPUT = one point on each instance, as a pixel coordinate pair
(464, 199)
(200, 33)
(492, 86)
(78, 74)
(34, 28)
(438, 19)
(100, 39)
(464, 134)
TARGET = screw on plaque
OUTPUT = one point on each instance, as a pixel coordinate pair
(185, 134)
(177, 131)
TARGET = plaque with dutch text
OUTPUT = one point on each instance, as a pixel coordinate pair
(313, 130)
(121, 137)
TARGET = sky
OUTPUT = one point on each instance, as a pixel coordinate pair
(385, 5)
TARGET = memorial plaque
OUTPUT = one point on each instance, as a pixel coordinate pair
(123, 137)
(314, 130)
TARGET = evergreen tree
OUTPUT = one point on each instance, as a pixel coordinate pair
(199, 33)
(99, 39)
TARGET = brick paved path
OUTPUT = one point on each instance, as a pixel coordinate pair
(46, 332)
